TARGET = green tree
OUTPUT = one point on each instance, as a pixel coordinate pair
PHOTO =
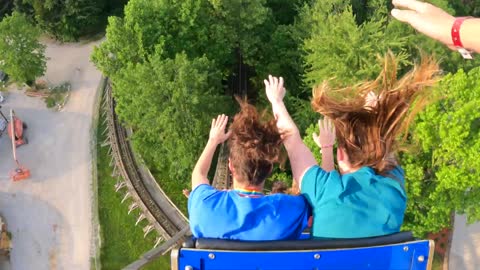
(169, 103)
(442, 176)
(21, 54)
(68, 20)
(167, 28)
(340, 48)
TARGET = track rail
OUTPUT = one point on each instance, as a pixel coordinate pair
(162, 215)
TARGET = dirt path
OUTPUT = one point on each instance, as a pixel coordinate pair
(50, 215)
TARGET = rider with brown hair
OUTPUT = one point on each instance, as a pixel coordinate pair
(244, 213)
(365, 197)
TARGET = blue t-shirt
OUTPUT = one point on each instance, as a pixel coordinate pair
(354, 205)
(229, 215)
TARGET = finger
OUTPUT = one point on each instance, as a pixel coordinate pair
(219, 120)
(280, 83)
(270, 78)
(229, 133)
(407, 16)
(224, 122)
(414, 5)
(266, 83)
(329, 124)
(275, 82)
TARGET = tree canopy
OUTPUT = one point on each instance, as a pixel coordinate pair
(173, 64)
(22, 56)
(442, 175)
(68, 20)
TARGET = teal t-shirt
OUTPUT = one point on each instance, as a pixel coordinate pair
(226, 214)
(355, 205)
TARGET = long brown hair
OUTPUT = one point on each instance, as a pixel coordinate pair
(255, 145)
(369, 132)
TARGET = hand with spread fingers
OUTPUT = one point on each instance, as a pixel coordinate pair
(217, 130)
(274, 89)
(326, 138)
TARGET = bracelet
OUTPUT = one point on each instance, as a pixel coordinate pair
(456, 37)
(326, 146)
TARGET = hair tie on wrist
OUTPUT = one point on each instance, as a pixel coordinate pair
(326, 146)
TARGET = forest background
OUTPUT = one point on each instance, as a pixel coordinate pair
(176, 64)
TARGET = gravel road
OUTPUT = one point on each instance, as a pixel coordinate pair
(50, 214)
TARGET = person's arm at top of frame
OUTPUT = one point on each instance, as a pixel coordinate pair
(325, 140)
(301, 158)
(217, 136)
(436, 23)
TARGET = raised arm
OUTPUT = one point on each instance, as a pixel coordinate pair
(217, 136)
(325, 141)
(436, 23)
(301, 158)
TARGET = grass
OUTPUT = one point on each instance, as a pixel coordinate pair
(437, 262)
(57, 95)
(122, 241)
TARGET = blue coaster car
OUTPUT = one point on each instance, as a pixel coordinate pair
(398, 251)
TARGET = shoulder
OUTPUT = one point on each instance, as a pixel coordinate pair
(202, 192)
(315, 175)
(288, 202)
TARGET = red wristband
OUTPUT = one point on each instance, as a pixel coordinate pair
(457, 42)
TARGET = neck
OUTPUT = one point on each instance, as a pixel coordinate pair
(237, 185)
(348, 169)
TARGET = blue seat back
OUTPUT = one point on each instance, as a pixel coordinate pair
(229, 255)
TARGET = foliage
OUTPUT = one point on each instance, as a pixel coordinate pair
(21, 54)
(6, 8)
(310, 143)
(172, 113)
(204, 42)
(122, 241)
(466, 7)
(67, 20)
(338, 47)
(57, 95)
(442, 176)
(171, 64)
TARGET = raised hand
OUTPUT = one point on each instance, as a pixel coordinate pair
(217, 130)
(426, 18)
(274, 89)
(327, 136)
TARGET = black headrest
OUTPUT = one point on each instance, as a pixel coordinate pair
(219, 244)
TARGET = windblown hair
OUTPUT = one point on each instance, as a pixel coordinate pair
(368, 130)
(255, 145)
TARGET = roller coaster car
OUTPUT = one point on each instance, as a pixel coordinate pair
(399, 251)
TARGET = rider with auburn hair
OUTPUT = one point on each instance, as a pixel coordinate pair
(244, 213)
(366, 196)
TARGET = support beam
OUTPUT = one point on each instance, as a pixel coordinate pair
(147, 229)
(132, 207)
(140, 218)
(119, 185)
(127, 195)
